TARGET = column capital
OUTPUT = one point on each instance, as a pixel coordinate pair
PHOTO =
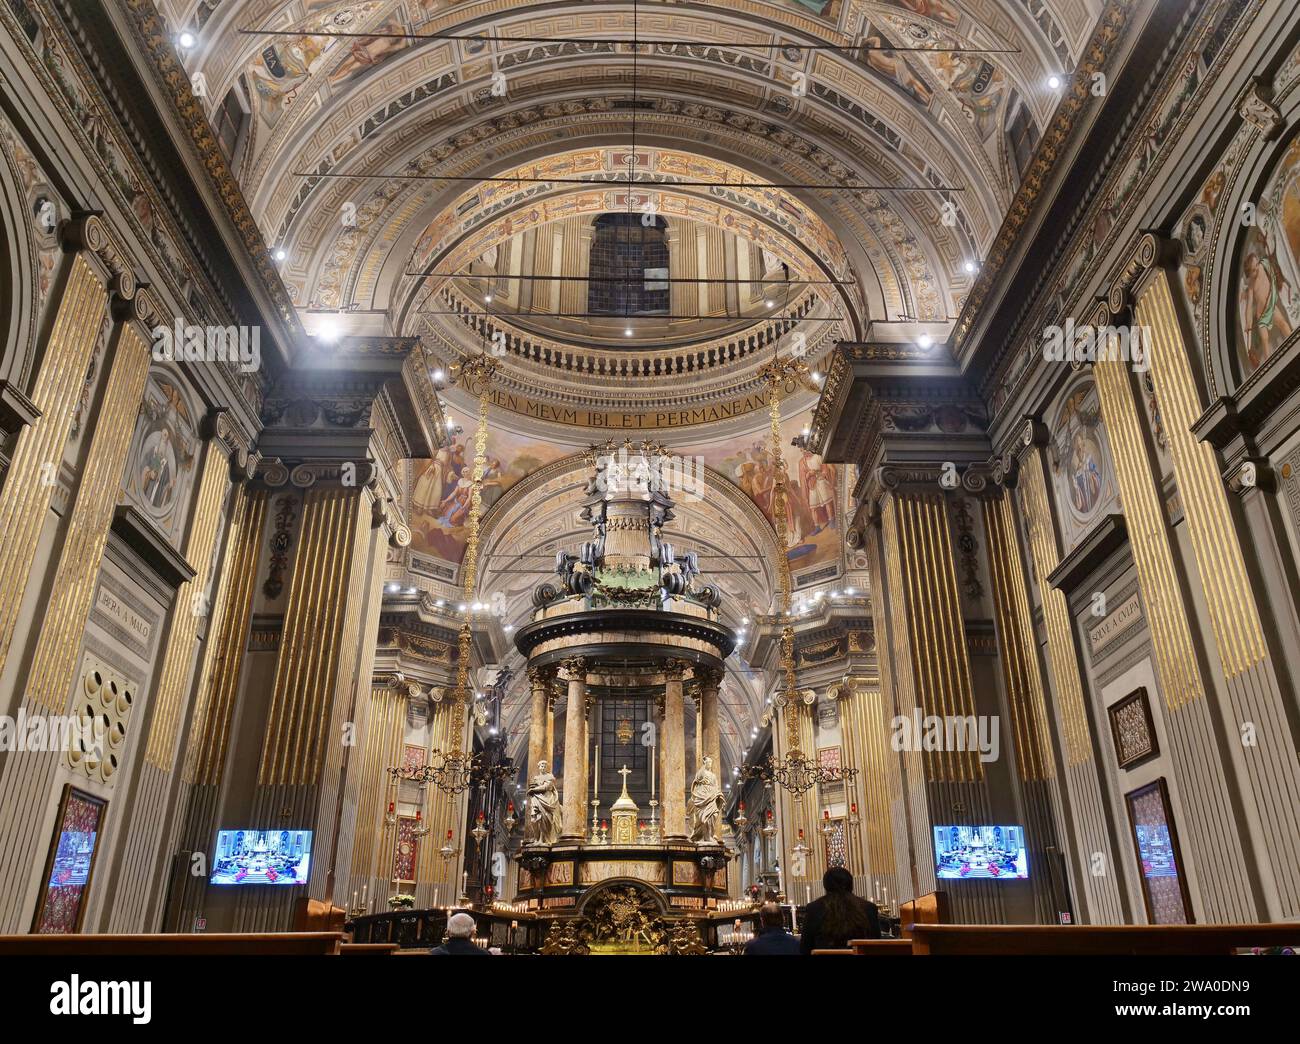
(575, 667)
(541, 677)
(675, 669)
(710, 677)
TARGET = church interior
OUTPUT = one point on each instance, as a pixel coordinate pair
(617, 471)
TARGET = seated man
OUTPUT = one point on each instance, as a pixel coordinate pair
(772, 939)
(460, 936)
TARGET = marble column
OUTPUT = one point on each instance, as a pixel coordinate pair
(575, 752)
(673, 739)
(539, 683)
(708, 741)
(710, 691)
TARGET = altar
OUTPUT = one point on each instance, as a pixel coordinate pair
(627, 639)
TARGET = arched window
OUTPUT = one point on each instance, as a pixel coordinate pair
(230, 121)
(629, 266)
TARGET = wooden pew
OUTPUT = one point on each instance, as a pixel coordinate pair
(216, 944)
(1097, 940)
(881, 947)
(368, 949)
(832, 953)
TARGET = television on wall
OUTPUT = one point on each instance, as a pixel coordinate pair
(261, 857)
(980, 853)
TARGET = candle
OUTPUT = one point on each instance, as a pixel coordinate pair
(653, 759)
(595, 783)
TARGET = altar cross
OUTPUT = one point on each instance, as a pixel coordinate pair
(625, 772)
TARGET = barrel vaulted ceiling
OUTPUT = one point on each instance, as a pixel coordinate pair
(724, 91)
(877, 176)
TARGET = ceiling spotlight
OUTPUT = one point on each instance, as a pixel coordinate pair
(487, 298)
(850, 590)
(394, 587)
(186, 40)
(744, 619)
(1054, 82)
(817, 376)
(770, 304)
(440, 602)
(438, 375)
(450, 423)
(281, 253)
(508, 628)
(410, 590)
(492, 731)
(627, 332)
(970, 267)
(463, 607)
(925, 340)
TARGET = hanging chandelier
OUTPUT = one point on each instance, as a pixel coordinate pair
(455, 770)
(795, 773)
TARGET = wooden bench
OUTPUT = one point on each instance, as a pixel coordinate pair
(881, 947)
(216, 944)
(1097, 940)
(832, 953)
(368, 949)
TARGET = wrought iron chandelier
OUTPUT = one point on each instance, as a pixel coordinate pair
(795, 773)
(455, 770)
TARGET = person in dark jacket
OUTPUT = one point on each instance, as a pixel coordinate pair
(460, 939)
(772, 938)
(838, 916)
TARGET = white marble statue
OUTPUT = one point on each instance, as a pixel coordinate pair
(706, 804)
(543, 807)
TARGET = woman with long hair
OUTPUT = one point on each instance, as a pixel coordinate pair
(831, 921)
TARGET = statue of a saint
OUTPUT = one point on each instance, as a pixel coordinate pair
(543, 808)
(706, 804)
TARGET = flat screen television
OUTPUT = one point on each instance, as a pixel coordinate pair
(980, 853)
(261, 857)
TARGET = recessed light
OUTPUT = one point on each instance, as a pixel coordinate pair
(970, 266)
(281, 253)
(1054, 82)
(925, 340)
(187, 40)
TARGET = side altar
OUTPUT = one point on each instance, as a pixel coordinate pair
(628, 633)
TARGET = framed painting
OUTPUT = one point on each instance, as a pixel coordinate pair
(71, 863)
(1132, 730)
(1155, 841)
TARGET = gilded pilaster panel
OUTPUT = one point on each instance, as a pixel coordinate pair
(50, 675)
(29, 483)
(1215, 849)
(1234, 616)
(1016, 652)
(314, 657)
(174, 682)
(223, 654)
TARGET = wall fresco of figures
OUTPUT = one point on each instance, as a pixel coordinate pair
(440, 487)
(1079, 455)
(1268, 267)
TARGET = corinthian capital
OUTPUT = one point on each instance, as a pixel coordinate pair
(575, 667)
